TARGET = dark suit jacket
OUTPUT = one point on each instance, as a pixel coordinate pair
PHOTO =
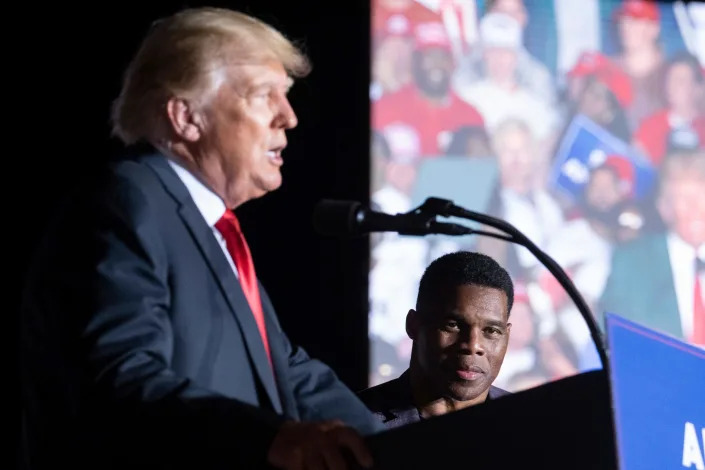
(392, 402)
(640, 286)
(137, 338)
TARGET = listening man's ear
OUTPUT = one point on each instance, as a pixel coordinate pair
(412, 324)
(185, 121)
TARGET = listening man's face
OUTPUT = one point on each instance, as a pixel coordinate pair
(461, 340)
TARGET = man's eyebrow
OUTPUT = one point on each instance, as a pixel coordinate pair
(487, 322)
(452, 314)
(495, 323)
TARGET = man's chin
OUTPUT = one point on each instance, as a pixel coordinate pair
(271, 183)
(465, 392)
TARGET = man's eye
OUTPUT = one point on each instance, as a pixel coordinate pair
(493, 331)
(261, 94)
(451, 325)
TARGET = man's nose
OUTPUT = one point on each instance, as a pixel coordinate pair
(472, 342)
(286, 117)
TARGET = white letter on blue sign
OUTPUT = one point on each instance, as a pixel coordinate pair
(691, 448)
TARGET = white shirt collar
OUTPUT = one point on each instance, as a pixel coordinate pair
(685, 250)
(209, 204)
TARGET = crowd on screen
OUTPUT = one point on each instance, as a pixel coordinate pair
(506, 81)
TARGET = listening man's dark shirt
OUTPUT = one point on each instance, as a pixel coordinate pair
(393, 403)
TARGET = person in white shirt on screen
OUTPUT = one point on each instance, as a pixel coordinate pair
(530, 72)
(499, 95)
(520, 198)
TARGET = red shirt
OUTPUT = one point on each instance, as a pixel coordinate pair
(409, 106)
(653, 133)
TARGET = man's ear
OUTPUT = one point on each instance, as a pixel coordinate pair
(185, 121)
(413, 324)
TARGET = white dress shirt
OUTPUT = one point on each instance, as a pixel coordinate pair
(209, 204)
(682, 256)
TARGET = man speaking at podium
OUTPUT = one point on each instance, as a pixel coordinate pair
(148, 341)
(460, 333)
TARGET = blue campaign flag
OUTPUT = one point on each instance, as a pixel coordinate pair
(586, 145)
(658, 394)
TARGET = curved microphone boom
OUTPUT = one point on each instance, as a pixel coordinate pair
(350, 218)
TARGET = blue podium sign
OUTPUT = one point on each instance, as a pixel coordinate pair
(658, 394)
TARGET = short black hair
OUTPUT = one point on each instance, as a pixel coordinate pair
(462, 268)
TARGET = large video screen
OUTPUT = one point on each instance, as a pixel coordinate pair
(581, 123)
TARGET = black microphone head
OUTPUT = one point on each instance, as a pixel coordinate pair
(336, 218)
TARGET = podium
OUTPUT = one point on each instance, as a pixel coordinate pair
(646, 410)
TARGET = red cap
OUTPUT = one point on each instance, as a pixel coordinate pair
(624, 170)
(597, 64)
(431, 34)
(640, 9)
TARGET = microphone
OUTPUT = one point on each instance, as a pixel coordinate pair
(341, 218)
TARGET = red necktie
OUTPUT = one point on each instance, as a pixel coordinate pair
(698, 313)
(229, 227)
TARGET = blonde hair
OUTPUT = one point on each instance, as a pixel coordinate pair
(178, 56)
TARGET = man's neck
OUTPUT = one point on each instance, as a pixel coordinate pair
(201, 168)
(431, 403)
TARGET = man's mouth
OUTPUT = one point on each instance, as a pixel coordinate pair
(275, 155)
(469, 372)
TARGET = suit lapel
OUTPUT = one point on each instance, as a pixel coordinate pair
(228, 282)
